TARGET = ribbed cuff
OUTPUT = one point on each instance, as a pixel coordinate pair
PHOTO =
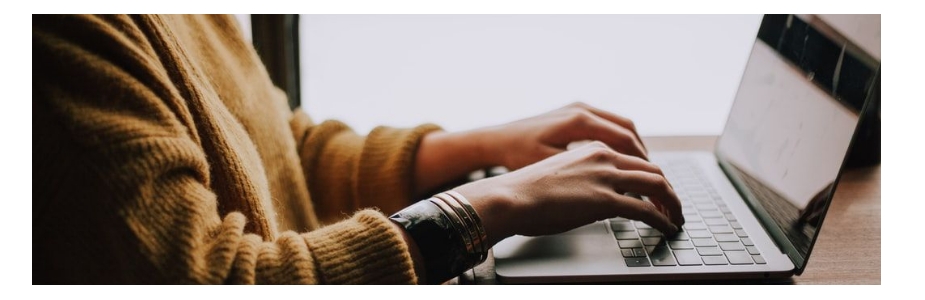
(386, 174)
(365, 249)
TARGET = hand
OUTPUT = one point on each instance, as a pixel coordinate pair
(527, 141)
(445, 156)
(571, 189)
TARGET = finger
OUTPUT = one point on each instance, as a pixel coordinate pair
(646, 212)
(619, 120)
(656, 188)
(626, 173)
(627, 162)
(621, 139)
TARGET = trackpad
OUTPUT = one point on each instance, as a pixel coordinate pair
(583, 251)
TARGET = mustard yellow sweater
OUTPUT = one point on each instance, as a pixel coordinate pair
(162, 153)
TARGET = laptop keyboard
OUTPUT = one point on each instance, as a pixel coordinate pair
(711, 235)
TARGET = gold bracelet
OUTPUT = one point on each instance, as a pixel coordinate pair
(458, 224)
(469, 227)
(476, 222)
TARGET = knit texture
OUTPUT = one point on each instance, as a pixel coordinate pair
(164, 154)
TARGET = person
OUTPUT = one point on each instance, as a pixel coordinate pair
(164, 154)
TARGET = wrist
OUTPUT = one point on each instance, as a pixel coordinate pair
(492, 202)
(489, 143)
(480, 147)
(417, 260)
(444, 157)
(449, 235)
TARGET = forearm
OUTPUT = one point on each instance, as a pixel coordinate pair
(446, 156)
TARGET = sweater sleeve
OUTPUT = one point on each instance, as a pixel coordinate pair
(347, 171)
(125, 192)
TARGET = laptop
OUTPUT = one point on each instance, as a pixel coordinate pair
(754, 206)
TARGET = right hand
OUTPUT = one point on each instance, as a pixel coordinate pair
(572, 189)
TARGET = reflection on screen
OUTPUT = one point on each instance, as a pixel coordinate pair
(792, 122)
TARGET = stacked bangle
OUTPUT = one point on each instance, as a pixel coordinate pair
(448, 233)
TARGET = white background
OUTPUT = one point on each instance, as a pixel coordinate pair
(672, 74)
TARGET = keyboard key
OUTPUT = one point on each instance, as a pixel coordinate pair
(680, 236)
(642, 225)
(618, 219)
(693, 185)
(693, 218)
(627, 253)
(695, 226)
(747, 242)
(649, 232)
(711, 214)
(709, 251)
(706, 206)
(730, 246)
(699, 234)
(696, 190)
(639, 252)
(713, 260)
(652, 241)
(730, 217)
(637, 262)
(725, 209)
(626, 235)
(758, 259)
(680, 245)
(739, 258)
(629, 244)
(661, 256)
(741, 233)
(721, 229)
(726, 237)
(649, 249)
(752, 250)
(699, 199)
(622, 226)
(735, 225)
(703, 242)
(688, 257)
(715, 222)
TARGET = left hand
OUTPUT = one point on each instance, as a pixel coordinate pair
(445, 156)
(524, 142)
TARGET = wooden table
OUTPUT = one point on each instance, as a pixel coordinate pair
(848, 249)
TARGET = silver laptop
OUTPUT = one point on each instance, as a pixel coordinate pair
(754, 206)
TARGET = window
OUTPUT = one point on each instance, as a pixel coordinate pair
(674, 75)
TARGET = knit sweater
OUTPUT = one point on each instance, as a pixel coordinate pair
(162, 153)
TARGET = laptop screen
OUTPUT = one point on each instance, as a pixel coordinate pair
(794, 117)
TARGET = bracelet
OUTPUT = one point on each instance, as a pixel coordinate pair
(448, 233)
(482, 237)
(459, 225)
(472, 224)
(440, 243)
(470, 233)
